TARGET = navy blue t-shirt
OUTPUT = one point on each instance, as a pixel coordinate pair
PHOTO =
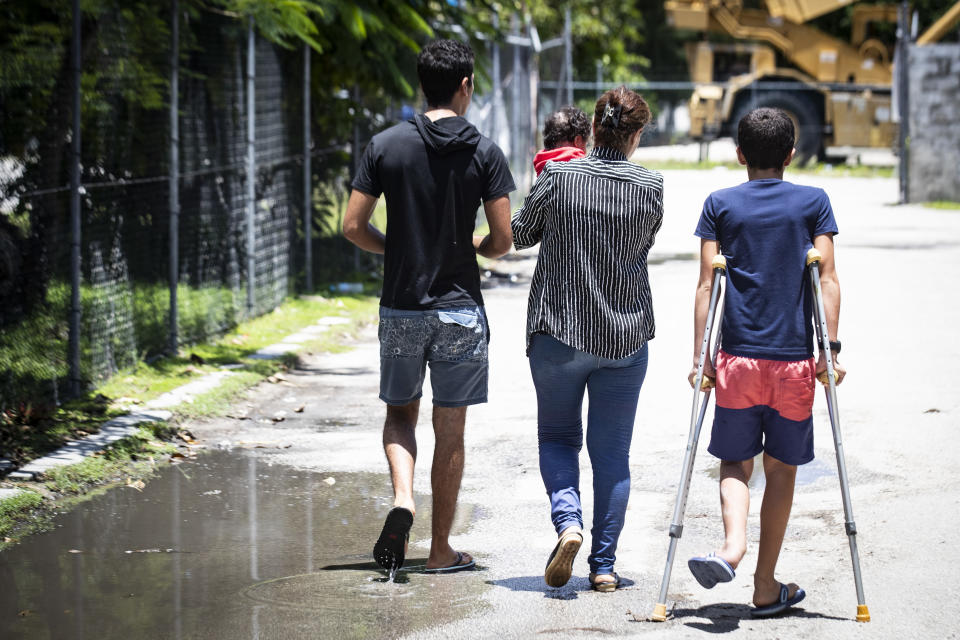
(765, 228)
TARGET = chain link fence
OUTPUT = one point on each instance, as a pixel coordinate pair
(199, 194)
(192, 208)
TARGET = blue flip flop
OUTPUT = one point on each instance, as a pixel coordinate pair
(709, 570)
(784, 603)
(459, 565)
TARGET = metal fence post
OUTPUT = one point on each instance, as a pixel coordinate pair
(251, 170)
(516, 150)
(174, 175)
(903, 98)
(307, 184)
(568, 54)
(356, 158)
(497, 88)
(73, 347)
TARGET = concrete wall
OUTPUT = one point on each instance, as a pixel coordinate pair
(934, 105)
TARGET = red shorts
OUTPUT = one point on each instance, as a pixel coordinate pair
(763, 405)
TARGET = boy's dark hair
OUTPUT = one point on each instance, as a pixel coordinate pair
(441, 66)
(766, 137)
(564, 125)
(619, 113)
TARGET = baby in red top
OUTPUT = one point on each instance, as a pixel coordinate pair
(565, 136)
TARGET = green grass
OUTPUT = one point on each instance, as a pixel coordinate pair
(17, 511)
(943, 204)
(132, 458)
(31, 430)
(820, 169)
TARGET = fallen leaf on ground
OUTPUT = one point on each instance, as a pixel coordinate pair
(24, 613)
(74, 551)
(300, 408)
(330, 481)
(138, 485)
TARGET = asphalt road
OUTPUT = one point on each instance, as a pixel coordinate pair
(899, 413)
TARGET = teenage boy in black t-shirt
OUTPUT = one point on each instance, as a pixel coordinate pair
(434, 172)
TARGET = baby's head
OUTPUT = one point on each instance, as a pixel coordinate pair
(567, 127)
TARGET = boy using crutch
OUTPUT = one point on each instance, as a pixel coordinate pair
(765, 371)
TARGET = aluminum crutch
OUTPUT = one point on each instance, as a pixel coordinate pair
(696, 421)
(830, 387)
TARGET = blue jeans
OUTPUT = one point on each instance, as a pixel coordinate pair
(560, 375)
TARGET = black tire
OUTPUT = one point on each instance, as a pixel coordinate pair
(806, 118)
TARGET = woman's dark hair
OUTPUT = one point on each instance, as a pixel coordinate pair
(618, 115)
(564, 125)
(441, 66)
(765, 137)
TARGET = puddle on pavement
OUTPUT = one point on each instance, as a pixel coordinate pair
(807, 474)
(227, 546)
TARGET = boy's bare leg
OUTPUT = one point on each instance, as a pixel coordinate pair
(400, 445)
(774, 514)
(448, 424)
(734, 505)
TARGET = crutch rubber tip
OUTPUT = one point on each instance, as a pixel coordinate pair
(719, 262)
(863, 614)
(813, 256)
(660, 613)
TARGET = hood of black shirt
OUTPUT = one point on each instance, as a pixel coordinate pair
(447, 135)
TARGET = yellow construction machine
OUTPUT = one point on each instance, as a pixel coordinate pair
(838, 93)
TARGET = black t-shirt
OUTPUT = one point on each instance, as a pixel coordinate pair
(434, 176)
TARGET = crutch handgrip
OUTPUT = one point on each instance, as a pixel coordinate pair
(719, 262)
(824, 377)
(707, 383)
(813, 256)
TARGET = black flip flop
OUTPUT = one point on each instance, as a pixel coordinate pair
(458, 565)
(389, 549)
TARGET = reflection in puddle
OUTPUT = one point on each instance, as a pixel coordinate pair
(228, 546)
(806, 473)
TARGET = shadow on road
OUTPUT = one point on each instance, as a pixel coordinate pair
(725, 616)
(569, 591)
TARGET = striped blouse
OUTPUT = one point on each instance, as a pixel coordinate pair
(596, 219)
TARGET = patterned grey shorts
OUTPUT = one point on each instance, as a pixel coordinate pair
(452, 341)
